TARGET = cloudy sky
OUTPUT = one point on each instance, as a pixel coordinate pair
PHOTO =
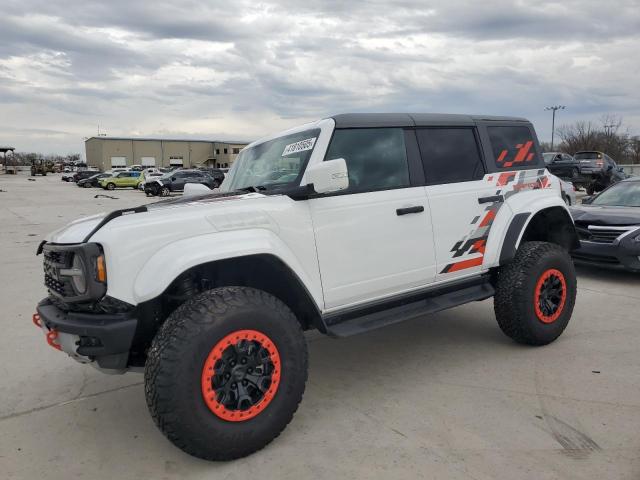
(242, 69)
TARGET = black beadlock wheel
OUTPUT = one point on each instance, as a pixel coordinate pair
(535, 293)
(226, 372)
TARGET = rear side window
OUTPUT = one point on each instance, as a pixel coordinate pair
(513, 147)
(450, 155)
(376, 157)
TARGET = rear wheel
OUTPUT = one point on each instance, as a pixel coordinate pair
(226, 373)
(535, 293)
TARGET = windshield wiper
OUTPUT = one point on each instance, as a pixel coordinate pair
(253, 189)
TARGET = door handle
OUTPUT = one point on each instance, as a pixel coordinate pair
(492, 199)
(408, 210)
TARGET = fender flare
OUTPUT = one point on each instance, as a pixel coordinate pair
(518, 226)
(172, 260)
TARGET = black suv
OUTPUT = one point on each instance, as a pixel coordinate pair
(562, 165)
(176, 180)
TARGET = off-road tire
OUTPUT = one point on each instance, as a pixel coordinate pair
(175, 362)
(515, 297)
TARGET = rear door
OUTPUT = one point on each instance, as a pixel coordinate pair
(461, 200)
(374, 239)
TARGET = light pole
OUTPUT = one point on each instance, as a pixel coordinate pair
(553, 119)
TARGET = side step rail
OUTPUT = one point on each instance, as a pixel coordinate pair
(405, 311)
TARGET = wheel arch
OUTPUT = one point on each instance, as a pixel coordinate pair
(551, 224)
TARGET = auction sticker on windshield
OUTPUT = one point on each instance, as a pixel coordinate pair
(300, 146)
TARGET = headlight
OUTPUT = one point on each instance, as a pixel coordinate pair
(77, 274)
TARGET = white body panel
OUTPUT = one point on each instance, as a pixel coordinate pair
(366, 251)
(454, 206)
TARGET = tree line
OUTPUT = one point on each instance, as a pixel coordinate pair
(608, 136)
(25, 158)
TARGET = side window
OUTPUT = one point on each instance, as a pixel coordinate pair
(376, 157)
(450, 155)
(512, 146)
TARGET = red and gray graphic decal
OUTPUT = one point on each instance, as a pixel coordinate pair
(476, 241)
(523, 154)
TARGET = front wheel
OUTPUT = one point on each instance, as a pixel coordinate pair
(226, 372)
(165, 192)
(536, 293)
(111, 186)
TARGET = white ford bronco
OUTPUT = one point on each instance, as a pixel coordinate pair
(344, 225)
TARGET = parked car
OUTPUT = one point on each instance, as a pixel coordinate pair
(608, 225)
(568, 192)
(146, 176)
(562, 165)
(67, 176)
(598, 170)
(216, 173)
(389, 217)
(83, 174)
(136, 168)
(121, 180)
(176, 180)
(92, 181)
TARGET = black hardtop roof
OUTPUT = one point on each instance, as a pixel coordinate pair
(356, 120)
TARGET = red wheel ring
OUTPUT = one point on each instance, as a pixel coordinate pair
(208, 372)
(551, 289)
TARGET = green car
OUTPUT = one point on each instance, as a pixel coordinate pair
(121, 180)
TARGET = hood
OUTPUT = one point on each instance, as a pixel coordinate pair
(603, 215)
(77, 231)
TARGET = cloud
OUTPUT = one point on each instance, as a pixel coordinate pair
(244, 69)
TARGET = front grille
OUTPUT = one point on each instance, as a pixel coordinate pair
(62, 288)
(53, 261)
(597, 234)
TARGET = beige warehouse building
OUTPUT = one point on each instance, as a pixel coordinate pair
(109, 152)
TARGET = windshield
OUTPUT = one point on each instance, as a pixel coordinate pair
(623, 194)
(280, 161)
(588, 156)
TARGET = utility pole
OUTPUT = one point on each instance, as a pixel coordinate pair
(553, 120)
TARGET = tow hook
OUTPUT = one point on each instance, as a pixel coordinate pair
(52, 335)
(52, 339)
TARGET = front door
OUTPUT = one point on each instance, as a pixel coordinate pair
(374, 239)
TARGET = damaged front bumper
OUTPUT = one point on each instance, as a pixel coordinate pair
(98, 338)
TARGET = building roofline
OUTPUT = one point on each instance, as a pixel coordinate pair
(151, 139)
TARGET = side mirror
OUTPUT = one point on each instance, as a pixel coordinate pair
(588, 199)
(329, 176)
(192, 189)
